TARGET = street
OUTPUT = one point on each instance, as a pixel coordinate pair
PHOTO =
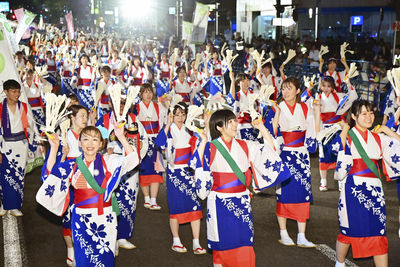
(41, 242)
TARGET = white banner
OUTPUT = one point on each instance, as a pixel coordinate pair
(24, 25)
(187, 30)
(10, 34)
(8, 70)
(200, 23)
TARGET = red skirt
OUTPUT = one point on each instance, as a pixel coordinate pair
(188, 216)
(327, 166)
(364, 247)
(238, 257)
(298, 211)
(146, 180)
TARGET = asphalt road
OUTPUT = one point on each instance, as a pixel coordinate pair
(41, 232)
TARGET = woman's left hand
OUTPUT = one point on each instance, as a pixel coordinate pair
(258, 123)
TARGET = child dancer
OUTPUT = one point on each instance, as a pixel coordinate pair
(299, 126)
(184, 206)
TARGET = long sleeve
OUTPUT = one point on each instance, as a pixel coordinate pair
(202, 173)
(311, 135)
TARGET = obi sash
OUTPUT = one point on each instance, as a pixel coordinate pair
(35, 102)
(245, 119)
(330, 117)
(104, 99)
(360, 168)
(13, 137)
(84, 82)
(229, 183)
(217, 72)
(67, 74)
(294, 139)
(151, 127)
(182, 155)
(89, 198)
(137, 81)
(164, 74)
(51, 68)
(185, 96)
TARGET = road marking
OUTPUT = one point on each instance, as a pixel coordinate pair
(331, 254)
(12, 249)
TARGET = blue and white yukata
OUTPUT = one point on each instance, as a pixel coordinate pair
(217, 69)
(362, 213)
(179, 144)
(163, 77)
(128, 187)
(18, 132)
(246, 131)
(82, 80)
(34, 94)
(153, 118)
(94, 222)
(230, 227)
(333, 107)
(297, 125)
(52, 72)
(66, 75)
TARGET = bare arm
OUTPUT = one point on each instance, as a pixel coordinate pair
(233, 89)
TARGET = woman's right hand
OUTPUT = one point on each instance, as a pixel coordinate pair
(203, 136)
(55, 141)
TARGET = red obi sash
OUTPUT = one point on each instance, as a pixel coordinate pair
(67, 74)
(89, 198)
(104, 99)
(245, 119)
(217, 72)
(51, 68)
(84, 82)
(182, 155)
(185, 96)
(151, 127)
(229, 183)
(137, 81)
(294, 139)
(165, 74)
(330, 117)
(35, 102)
(361, 169)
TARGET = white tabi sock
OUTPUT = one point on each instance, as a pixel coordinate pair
(177, 241)
(147, 199)
(196, 244)
(301, 238)
(153, 201)
(284, 234)
(70, 253)
(323, 182)
(338, 264)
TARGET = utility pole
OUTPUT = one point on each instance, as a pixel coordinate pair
(279, 11)
(216, 18)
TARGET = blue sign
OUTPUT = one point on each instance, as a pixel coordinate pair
(4, 7)
(356, 20)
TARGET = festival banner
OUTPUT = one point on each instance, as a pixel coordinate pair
(70, 25)
(8, 70)
(24, 25)
(10, 34)
(200, 23)
(187, 30)
(19, 13)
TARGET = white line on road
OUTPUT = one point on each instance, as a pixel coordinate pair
(331, 254)
(12, 250)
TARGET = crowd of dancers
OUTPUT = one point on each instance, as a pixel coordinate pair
(130, 106)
